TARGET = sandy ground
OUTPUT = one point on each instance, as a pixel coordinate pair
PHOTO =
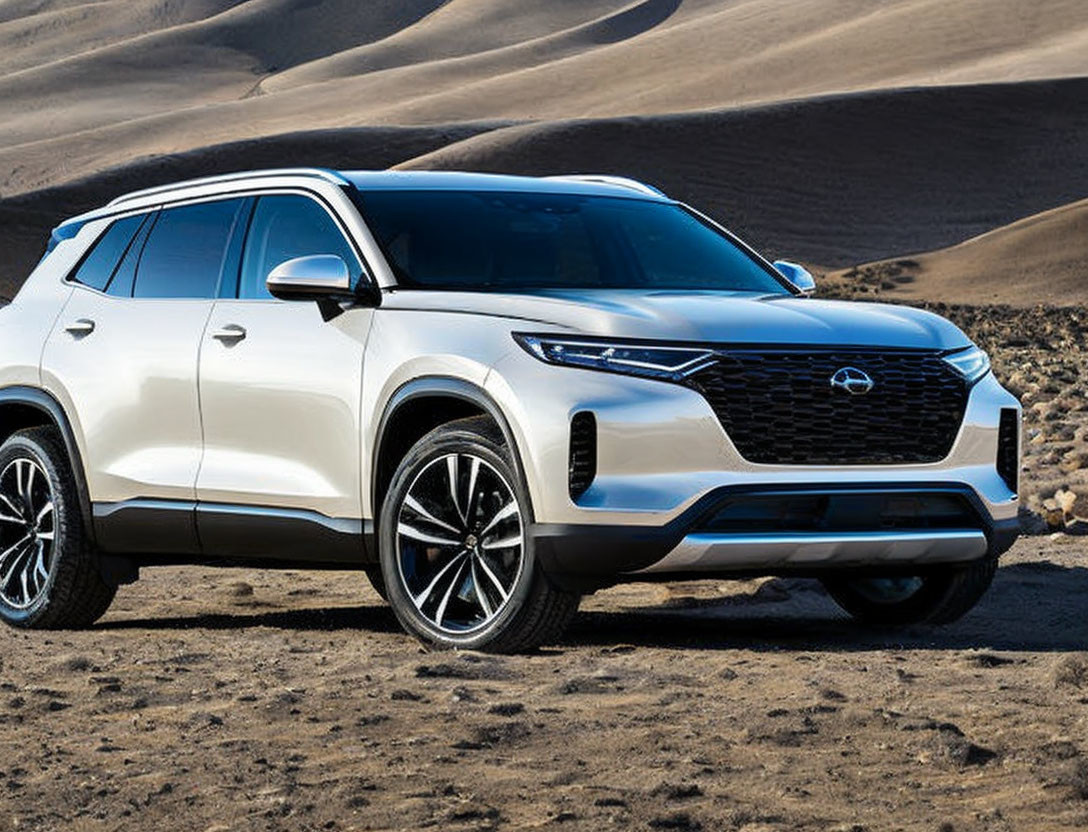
(239, 699)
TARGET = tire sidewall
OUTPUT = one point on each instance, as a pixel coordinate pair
(918, 608)
(434, 445)
(20, 447)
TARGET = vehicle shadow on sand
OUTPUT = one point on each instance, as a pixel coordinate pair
(378, 619)
(1033, 607)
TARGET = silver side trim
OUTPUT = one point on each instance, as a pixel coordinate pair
(324, 175)
(708, 552)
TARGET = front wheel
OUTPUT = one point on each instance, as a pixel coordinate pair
(940, 596)
(457, 560)
(49, 571)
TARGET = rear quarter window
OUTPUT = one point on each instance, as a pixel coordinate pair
(99, 265)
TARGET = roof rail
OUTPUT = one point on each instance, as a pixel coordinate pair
(315, 173)
(609, 179)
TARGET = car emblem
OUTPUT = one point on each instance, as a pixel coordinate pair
(852, 380)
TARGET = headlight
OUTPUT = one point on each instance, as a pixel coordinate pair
(971, 362)
(669, 363)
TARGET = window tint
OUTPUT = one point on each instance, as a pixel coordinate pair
(124, 275)
(184, 253)
(285, 227)
(100, 264)
(509, 241)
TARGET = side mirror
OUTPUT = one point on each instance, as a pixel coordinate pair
(798, 276)
(310, 278)
(324, 278)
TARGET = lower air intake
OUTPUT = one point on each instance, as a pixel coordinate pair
(1008, 448)
(583, 453)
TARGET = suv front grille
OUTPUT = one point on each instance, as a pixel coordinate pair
(779, 407)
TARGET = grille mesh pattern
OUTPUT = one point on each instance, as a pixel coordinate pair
(583, 453)
(779, 407)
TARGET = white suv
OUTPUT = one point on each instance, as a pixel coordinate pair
(492, 394)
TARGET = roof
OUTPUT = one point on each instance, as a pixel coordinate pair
(578, 184)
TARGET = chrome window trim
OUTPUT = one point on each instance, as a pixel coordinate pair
(323, 174)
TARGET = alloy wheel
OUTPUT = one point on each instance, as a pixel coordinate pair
(460, 542)
(27, 532)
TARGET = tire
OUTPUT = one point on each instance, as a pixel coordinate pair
(377, 582)
(939, 597)
(35, 474)
(465, 577)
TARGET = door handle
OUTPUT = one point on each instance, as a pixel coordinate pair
(80, 327)
(230, 334)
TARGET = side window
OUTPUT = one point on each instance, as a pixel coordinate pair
(124, 275)
(285, 227)
(98, 267)
(185, 251)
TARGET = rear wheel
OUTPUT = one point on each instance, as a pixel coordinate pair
(456, 557)
(938, 597)
(49, 572)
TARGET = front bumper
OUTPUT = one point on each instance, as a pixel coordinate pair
(664, 461)
(584, 556)
(661, 448)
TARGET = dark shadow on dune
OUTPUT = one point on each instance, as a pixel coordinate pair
(377, 619)
(1032, 607)
(27, 219)
(633, 21)
(837, 179)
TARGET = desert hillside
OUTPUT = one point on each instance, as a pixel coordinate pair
(831, 131)
(92, 85)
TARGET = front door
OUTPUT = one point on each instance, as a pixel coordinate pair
(280, 397)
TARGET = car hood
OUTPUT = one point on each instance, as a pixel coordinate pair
(716, 317)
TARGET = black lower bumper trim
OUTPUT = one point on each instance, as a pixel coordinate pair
(587, 556)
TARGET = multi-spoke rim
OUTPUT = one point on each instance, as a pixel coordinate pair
(27, 532)
(888, 590)
(460, 542)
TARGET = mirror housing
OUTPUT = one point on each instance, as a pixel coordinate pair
(324, 278)
(309, 278)
(798, 276)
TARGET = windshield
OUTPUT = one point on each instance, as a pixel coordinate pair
(499, 241)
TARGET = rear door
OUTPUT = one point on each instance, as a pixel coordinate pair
(123, 361)
(280, 393)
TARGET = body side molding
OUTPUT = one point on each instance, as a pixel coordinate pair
(229, 531)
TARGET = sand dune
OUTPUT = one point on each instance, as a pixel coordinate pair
(1039, 259)
(831, 131)
(25, 220)
(835, 180)
(100, 84)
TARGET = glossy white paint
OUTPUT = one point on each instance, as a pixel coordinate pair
(129, 388)
(280, 406)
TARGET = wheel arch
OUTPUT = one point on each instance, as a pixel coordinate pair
(26, 407)
(412, 409)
